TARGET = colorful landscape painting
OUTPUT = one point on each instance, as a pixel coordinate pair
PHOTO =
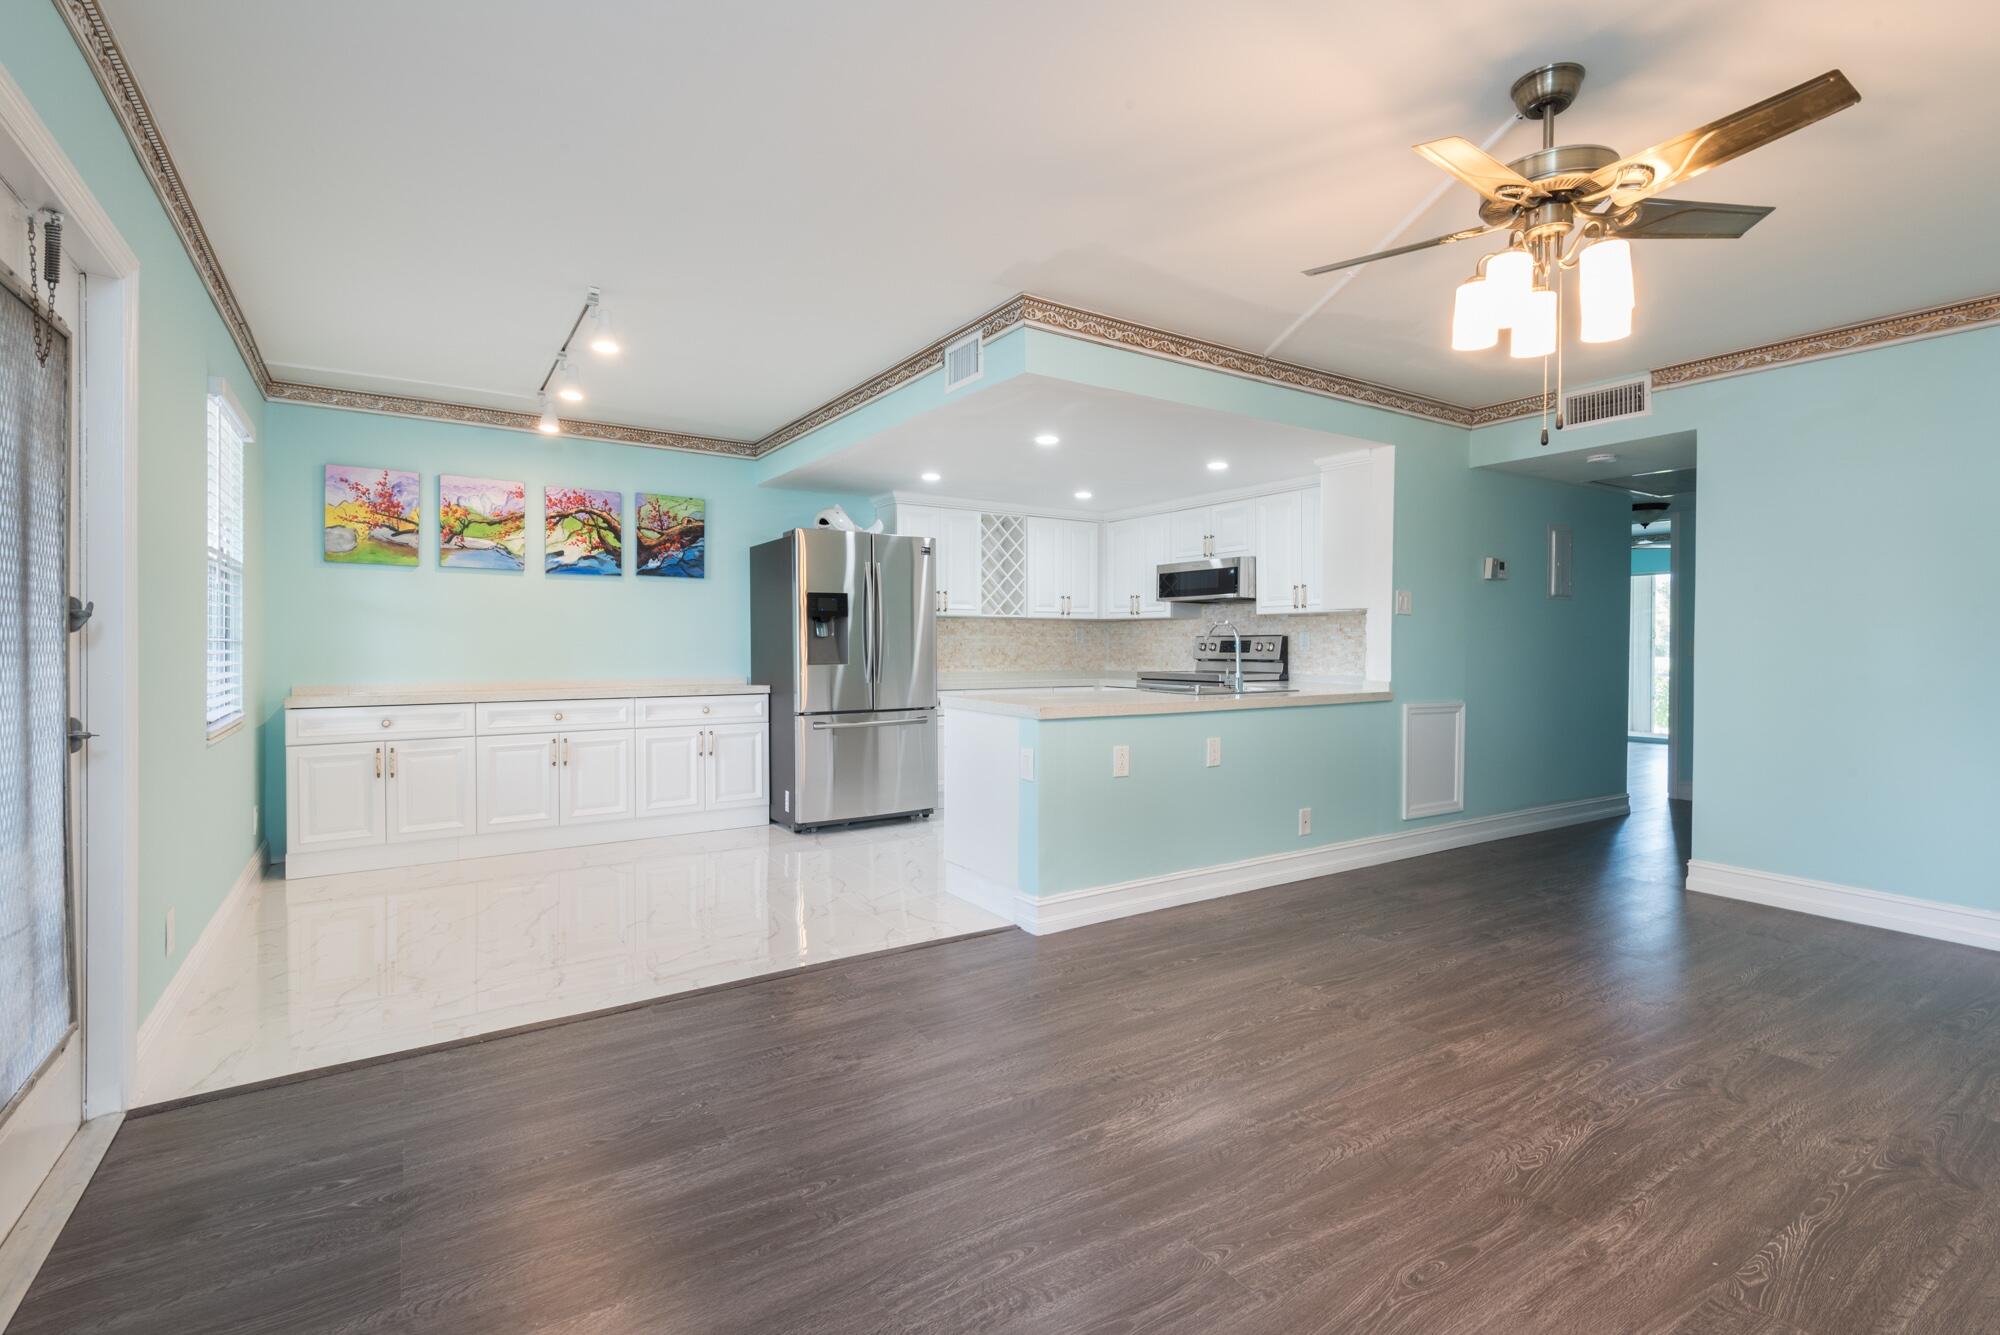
(482, 523)
(582, 531)
(671, 534)
(371, 515)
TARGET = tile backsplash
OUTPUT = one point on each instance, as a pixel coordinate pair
(1327, 645)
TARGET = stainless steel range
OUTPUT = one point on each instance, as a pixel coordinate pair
(1227, 664)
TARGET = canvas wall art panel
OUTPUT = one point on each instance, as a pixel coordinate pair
(482, 523)
(372, 515)
(671, 533)
(583, 531)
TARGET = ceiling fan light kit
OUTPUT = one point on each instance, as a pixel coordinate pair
(1579, 206)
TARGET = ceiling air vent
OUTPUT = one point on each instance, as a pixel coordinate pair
(1609, 403)
(964, 361)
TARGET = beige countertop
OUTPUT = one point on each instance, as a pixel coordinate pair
(333, 697)
(1019, 680)
(1127, 702)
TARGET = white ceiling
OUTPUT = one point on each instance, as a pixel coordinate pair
(1127, 450)
(781, 202)
(1673, 452)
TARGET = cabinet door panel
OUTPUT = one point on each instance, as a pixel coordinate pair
(334, 796)
(958, 561)
(597, 774)
(737, 775)
(1080, 567)
(1155, 550)
(1045, 567)
(1234, 527)
(431, 789)
(1311, 555)
(1187, 534)
(1278, 553)
(670, 771)
(517, 783)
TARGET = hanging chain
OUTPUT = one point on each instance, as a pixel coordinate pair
(45, 332)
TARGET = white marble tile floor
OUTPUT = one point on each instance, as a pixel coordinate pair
(317, 972)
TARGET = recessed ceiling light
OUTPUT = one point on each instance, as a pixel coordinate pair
(1083, 495)
(1218, 465)
(931, 477)
(1048, 438)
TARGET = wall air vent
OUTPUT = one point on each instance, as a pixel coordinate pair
(1609, 403)
(964, 361)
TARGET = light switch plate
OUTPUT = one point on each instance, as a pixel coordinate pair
(1404, 603)
(1214, 752)
(1121, 762)
(1028, 764)
(1493, 567)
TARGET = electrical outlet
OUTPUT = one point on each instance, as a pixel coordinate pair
(1028, 764)
(170, 933)
(1305, 820)
(1121, 762)
(1214, 752)
(1404, 603)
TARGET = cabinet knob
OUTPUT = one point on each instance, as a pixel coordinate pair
(704, 709)
(387, 722)
(559, 716)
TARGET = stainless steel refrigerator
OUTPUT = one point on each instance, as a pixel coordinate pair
(843, 630)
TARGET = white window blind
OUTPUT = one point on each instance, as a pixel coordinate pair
(225, 568)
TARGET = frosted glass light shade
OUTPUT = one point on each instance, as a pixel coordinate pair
(1473, 326)
(603, 340)
(550, 425)
(1510, 277)
(1535, 329)
(569, 387)
(1604, 273)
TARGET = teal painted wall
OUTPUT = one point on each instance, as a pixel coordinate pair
(335, 624)
(194, 828)
(1652, 560)
(1842, 712)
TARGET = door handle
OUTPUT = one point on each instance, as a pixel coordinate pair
(392, 762)
(822, 725)
(552, 753)
(565, 742)
(378, 762)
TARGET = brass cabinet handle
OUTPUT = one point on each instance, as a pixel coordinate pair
(392, 762)
(565, 742)
(378, 762)
(552, 753)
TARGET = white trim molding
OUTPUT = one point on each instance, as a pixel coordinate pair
(1059, 912)
(167, 1012)
(1849, 903)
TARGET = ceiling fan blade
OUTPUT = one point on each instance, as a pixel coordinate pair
(1477, 168)
(1688, 220)
(1686, 156)
(1444, 240)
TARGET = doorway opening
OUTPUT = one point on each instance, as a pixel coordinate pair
(1649, 684)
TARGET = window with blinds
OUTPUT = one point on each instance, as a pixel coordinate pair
(225, 567)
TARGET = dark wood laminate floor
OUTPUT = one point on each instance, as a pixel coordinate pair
(1528, 1086)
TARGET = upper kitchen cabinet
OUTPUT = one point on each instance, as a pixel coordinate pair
(1289, 574)
(1229, 529)
(1062, 567)
(1134, 550)
(957, 555)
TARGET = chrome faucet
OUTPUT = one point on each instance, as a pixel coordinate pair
(1237, 640)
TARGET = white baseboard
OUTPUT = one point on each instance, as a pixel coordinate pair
(160, 1020)
(1870, 908)
(1079, 908)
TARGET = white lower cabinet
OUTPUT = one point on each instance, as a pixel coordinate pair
(597, 774)
(334, 796)
(430, 791)
(738, 773)
(369, 788)
(519, 783)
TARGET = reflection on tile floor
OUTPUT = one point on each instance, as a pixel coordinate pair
(338, 968)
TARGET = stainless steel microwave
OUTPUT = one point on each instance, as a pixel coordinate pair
(1218, 579)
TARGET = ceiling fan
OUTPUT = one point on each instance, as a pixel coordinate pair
(1576, 206)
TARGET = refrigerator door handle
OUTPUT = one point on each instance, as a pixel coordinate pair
(821, 725)
(877, 626)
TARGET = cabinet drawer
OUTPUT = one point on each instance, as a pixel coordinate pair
(553, 716)
(356, 724)
(666, 710)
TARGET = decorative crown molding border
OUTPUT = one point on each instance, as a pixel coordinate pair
(121, 89)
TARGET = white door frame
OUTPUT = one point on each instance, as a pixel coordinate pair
(109, 903)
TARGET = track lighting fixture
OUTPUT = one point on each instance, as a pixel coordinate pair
(569, 388)
(562, 381)
(603, 340)
(550, 425)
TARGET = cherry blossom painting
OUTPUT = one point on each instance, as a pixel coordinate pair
(482, 523)
(671, 534)
(371, 516)
(582, 531)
